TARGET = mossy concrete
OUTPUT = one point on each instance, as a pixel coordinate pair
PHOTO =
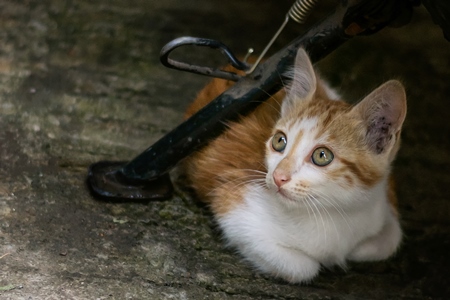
(80, 82)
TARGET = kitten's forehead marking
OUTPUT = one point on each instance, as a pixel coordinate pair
(300, 133)
(298, 138)
(305, 124)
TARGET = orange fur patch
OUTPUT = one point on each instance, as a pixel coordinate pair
(365, 175)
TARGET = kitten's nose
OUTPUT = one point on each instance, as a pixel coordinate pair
(281, 177)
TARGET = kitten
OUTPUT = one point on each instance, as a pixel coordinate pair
(303, 181)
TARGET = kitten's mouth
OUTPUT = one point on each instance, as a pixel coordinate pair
(285, 195)
(297, 198)
(282, 193)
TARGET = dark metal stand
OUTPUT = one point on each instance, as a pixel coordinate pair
(145, 177)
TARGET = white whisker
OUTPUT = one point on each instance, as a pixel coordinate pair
(258, 179)
(335, 205)
(312, 201)
(328, 213)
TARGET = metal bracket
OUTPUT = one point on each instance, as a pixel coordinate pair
(182, 66)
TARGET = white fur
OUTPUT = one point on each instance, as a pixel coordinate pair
(292, 242)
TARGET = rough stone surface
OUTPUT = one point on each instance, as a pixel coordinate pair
(80, 82)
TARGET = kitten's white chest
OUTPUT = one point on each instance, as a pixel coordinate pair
(276, 238)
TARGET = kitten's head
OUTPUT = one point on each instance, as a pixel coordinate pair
(326, 150)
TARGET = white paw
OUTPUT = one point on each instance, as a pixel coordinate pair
(289, 264)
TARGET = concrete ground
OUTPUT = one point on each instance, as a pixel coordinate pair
(80, 82)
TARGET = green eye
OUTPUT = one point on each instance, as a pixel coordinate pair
(322, 156)
(279, 142)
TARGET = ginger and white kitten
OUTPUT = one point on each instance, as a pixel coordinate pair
(304, 180)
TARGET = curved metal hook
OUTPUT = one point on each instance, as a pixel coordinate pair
(178, 65)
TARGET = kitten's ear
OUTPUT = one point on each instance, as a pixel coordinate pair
(304, 82)
(383, 112)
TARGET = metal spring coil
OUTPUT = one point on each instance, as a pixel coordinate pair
(301, 9)
(298, 12)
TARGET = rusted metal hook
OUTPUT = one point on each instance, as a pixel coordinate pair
(195, 41)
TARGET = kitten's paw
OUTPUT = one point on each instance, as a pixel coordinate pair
(380, 246)
(289, 264)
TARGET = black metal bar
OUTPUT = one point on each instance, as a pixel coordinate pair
(129, 180)
(240, 99)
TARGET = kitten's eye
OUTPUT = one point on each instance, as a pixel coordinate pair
(322, 156)
(279, 142)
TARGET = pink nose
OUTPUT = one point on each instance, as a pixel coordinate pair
(280, 177)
